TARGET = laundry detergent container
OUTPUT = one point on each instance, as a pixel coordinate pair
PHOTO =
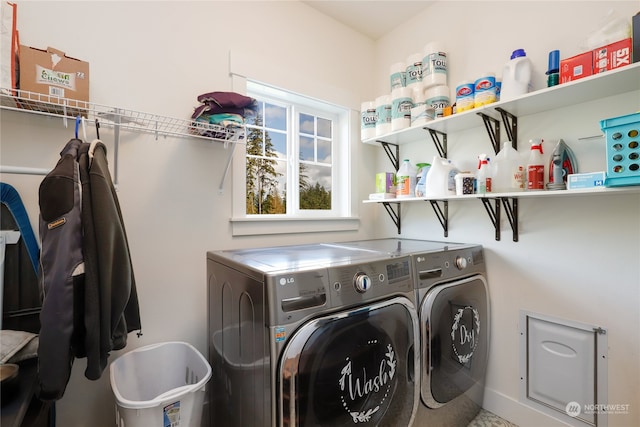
(160, 385)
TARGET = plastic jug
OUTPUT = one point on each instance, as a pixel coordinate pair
(508, 170)
(406, 180)
(437, 184)
(516, 76)
(423, 170)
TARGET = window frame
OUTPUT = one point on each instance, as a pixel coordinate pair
(295, 107)
(343, 216)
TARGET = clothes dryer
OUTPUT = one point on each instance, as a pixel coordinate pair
(311, 335)
(453, 305)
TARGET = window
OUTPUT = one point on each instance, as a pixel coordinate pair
(296, 156)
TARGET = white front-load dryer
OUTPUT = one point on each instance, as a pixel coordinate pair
(454, 314)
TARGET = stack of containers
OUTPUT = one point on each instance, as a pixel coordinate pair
(474, 94)
(369, 119)
(484, 91)
(383, 111)
(434, 77)
(413, 71)
(376, 116)
(421, 113)
(419, 93)
(401, 105)
(403, 98)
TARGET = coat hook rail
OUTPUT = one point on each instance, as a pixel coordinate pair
(23, 170)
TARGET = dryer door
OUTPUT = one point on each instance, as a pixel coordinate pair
(352, 367)
(455, 339)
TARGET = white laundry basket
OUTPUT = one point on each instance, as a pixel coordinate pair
(160, 385)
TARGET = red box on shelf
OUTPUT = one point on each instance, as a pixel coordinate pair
(612, 56)
(576, 67)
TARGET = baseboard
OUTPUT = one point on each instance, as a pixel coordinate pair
(512, 410)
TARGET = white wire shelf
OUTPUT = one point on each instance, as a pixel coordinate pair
(117, 118)
(32, 102)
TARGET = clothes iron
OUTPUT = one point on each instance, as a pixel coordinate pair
(561, 164)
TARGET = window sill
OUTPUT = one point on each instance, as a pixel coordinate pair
(262, 226)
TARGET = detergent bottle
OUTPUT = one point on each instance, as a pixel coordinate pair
(516, 76)
(438, 178)
(406, 180)
(535, 166)
(508, 170)
(483, 176)
(423, 170)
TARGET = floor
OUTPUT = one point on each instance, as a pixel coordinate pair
(489, 419)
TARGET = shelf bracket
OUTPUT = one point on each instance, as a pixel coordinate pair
(394, 157)
(494, 213)
(441, 146)
(395, 215)
(226, 169)
(510, 125)
(512, 214)
(493, 129)
(442, 214)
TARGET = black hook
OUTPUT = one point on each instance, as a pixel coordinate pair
(97, 129)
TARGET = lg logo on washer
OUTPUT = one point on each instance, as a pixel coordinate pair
(359, 385)
(287, 280)
(465, 333)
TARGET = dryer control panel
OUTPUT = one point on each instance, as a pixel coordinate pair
(436, 267)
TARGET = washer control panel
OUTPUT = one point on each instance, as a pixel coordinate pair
(369, 280)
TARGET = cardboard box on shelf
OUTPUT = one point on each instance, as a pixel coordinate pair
(384, 182)
(585, 180)
(576, 67)
(612, 56)
(49, 78)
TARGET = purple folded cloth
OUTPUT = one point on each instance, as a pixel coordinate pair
(226, 99)
(225, 103)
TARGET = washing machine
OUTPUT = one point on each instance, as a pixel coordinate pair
(312, 335)
(453, 305)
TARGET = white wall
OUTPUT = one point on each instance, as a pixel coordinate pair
(157, 57)
(577, 257)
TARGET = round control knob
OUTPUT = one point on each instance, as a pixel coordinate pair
(362, 282)
(461, 262)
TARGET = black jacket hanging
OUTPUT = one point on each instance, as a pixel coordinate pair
(90, 299)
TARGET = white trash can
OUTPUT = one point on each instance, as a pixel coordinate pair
(160, 385)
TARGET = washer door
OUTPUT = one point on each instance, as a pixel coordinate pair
(455, 339)
(352, 367)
